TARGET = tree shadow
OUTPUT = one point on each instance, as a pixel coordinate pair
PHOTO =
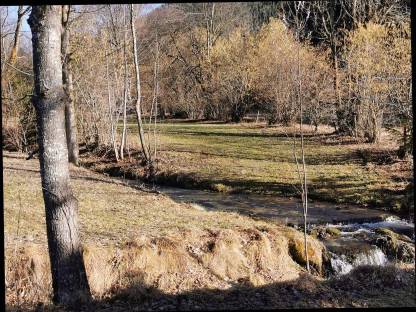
(370, 194)
(330, 190)
(365, 286)
(13, 156)
(245, 134)
(20, 169)
(337, 139)
(125, 182)
(311, 159)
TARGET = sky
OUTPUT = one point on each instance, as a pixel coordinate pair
(26, 29)
(26, 34)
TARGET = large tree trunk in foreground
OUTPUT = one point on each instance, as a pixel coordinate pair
(70, 120)
(69, 279)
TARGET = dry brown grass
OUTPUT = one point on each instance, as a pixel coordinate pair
(141, 246)
(28, 278)
(172, 264)
(136, 241)
(155, 274)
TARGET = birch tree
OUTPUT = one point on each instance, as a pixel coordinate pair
(138, 90)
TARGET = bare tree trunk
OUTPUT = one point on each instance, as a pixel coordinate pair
(138, 98)
(113, 126)
(304, 182)
(70, 119)
(156, 95)
(336, 83)
(211, 24)
(304, 186)
(15, 48)
(69, 280)
(123, 134)
(210, 29)
(13, 54)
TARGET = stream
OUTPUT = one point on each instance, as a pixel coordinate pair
(360, 236)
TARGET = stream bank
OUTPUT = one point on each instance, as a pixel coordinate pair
(360, 235)
(353, 236)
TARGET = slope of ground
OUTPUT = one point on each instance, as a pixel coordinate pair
(135, 236)
(144, 251)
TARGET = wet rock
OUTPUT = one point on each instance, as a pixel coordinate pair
(333, 231)
(395, 246)
(406, 252)
(327, 268)
(320, 233)
(389, 233)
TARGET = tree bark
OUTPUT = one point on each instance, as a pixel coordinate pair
(110, 109)
(138, 99)
(15, 48)
(13, 54)
(123, 134)
(69, 280)
(70, 119)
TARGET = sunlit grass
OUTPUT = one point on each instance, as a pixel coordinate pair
(108, 212)
(256, 158)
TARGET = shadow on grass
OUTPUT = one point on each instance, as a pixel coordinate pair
(244, 134)
(311, 159)
(398, 200)
(13, 156)
(366, 286)
(92, 179)
(323, 189)
(193, 181)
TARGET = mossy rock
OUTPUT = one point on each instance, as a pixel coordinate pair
(334, 232)
(314, 233)
(396, 206)
(387, 242)
(393, 235)
(395, 246)
(297, 252)
(319, 232)
(221, 188)
(385, 232)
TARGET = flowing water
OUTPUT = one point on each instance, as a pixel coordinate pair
(355, 247)
(342, 265)
(356, 225)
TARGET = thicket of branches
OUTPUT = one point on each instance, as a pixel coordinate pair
(223, 61)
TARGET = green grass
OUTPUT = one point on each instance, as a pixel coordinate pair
(260, 159)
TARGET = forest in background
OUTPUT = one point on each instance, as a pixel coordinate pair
(223, 61)
(163, 96)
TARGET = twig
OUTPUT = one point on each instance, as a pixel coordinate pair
(20, 71)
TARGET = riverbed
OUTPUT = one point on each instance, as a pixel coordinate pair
(282, 210)
(358, 240)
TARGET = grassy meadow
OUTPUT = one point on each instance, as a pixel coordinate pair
(120, 212)
(251, 157)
